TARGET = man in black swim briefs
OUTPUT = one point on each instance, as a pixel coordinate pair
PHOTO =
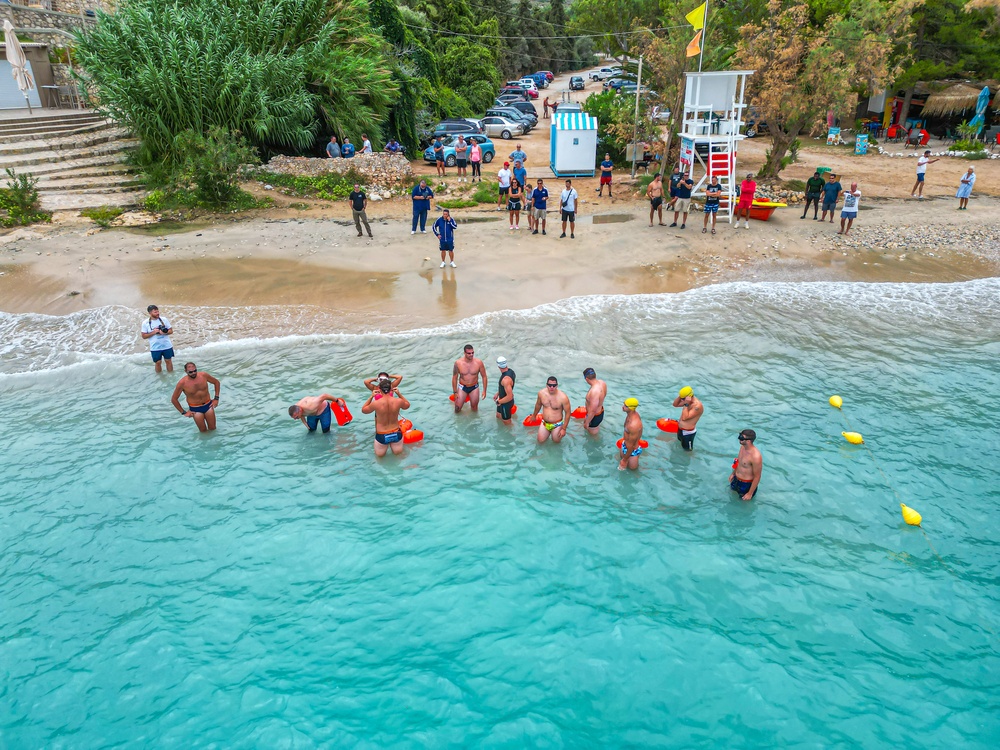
(200, 407)
(594, 401)
(691, 411)
(504, 397)
(465, 379)
(747, 467)
(386, 402)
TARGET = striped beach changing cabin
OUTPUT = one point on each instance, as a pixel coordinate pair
(573, 147)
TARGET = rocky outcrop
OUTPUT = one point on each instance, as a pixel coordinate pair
(378, 171)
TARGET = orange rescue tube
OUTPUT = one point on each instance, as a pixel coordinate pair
(405, 425)
(513, 409)
(642, 443)
(667, 425)
(342, 413)
(451, 397)
(529, 422)
(579, 412)
(413, 436)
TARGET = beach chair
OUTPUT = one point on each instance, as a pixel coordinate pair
(913, 138)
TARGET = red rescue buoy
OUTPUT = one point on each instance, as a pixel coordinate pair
(642, 443)
(667, 425)
(532, 422)
(513, 409)
(405, 425)
(579, 412)
(451, 397)
(413, 436)
(342, 413)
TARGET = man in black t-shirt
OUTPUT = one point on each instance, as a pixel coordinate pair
(359, 202)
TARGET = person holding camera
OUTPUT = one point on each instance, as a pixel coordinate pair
(157, 329)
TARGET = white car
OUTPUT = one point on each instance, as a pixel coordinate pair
(529, 84)
(604, 73)
(503, 127)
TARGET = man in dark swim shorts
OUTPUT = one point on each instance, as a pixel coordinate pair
(386, 406)
(598, 390)
(505, 391)
(465, 379)
(747, 467)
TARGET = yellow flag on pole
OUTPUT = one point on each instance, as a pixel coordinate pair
(694, 46)
(697, 19)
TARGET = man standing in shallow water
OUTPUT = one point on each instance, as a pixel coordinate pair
(633, 433)
(555, 409)
(201, 408)
(691, 411)
(595, 401)
(315, 411)
(465, 379)
(504, 397)
(747, 467)
(386, 403)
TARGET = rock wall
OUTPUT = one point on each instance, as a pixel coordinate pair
(36, 18)
(379, 170)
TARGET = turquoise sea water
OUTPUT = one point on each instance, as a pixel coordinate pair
(263, 587)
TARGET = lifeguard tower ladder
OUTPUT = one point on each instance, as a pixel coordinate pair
(710, 131)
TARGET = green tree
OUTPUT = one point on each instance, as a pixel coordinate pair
(617, 21)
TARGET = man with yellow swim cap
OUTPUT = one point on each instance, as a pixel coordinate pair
(633, 433)
(691, 411)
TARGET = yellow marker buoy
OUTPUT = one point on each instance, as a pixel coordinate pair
(911, 516)
(836, 401)
(853, 437)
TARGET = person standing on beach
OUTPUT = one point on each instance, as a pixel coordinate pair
(518, 155)
(747, 190)
(504, 177)
(607, 167)
(520, 173)
(567, 202)
(965, 189)
(831, 194)
(852, 199)
(386, 403)
(465, 376)
(444, 229)
(157, 330)
(514, 203)
(347, 150)
(545, 108)
(421, 196)
(504, 397)
(315, 411)
(461, 156)
(918, 186)
(200, 407)
(555, 410)
(539, 201)
(691, 411)
(747, 467)
(476, 159)
(333, 148)
(675, 179)
(654, 191)
(359, 204)
(439, 157)
(682, 200)
(631, 437)
(814, 189)
(713, 193)
(598, 391)
(366, 145)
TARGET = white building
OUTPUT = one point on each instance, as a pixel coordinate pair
(573, 147)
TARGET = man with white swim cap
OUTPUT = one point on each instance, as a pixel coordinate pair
(504, 397)
(691, 411)
(633, 433)
(594, 401)
(747, 467)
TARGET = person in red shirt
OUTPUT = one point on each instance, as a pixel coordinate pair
(747, 188)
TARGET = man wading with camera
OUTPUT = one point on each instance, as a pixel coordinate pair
(157, 329)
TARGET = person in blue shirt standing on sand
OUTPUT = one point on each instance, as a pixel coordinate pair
(831, 194)
(539, 203)
(444, 229)
(607, 166)
(421, 196)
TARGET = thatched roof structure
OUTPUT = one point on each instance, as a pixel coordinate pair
(955, 98)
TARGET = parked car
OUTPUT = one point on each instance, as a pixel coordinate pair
(488, 149)
(576, 83)
(506, 100)
(602, 74)
(526, 107)
(549, 75)
(755, 124)
(630, 88)
(617, 83)
(454, 126)
(529, 84)
(569, 107)
(528, 120)
(660, 114)
(514, 91)
(503, 127)
(516, 84)
(540, 79)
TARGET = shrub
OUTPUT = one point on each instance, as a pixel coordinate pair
(968, 145)
(155, 201)
(210, 165)
(104, 215)
(484, 193)
(458, 203)
(20, 200)
(796, 185)
(330, 186)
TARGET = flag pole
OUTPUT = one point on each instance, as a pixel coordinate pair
(704, 36)
(635, 122)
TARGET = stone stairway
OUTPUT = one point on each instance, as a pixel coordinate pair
(78, 159)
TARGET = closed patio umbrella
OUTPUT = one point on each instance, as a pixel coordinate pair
(981, 104)
(18, 62)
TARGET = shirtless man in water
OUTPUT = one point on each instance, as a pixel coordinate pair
(195, 387)
(595, 401)
(691, 411)
(465, 379)
(386, 402)
(747, 467)
(633, 433)
(555, 409)
(372, 383)
(315, 410)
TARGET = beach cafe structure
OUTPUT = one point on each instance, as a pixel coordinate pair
(710, 131)
(573, 147)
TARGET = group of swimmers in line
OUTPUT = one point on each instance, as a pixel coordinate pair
(552, 411)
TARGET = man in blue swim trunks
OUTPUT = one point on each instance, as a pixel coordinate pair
(747, 467)
(555, 409)
(631, 451)
(386, 403)
(465, 379)
(315, 411)
(157, 331)
(200, 407)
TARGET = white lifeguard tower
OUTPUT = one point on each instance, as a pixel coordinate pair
(710, 131)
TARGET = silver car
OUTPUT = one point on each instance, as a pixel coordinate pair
(501, 126)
